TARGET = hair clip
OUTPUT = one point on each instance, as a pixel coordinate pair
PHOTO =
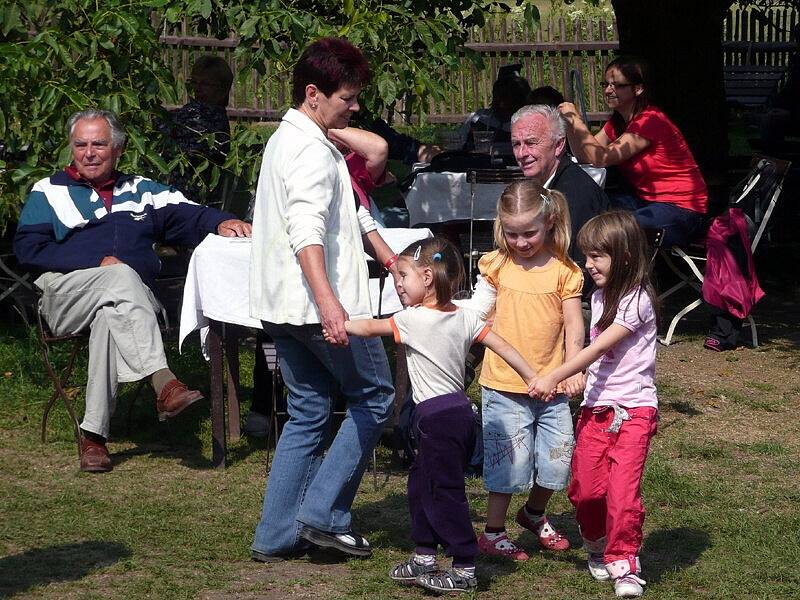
(437, 256)
(417, 251)
(544, 198)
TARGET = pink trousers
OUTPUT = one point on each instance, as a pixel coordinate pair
(606, 482)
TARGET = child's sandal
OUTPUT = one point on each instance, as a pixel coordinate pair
(449, 581)
(408, 571)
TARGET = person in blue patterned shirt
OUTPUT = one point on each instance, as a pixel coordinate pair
(89, 231)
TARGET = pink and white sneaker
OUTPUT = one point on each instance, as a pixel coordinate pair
(548, 537)
(625, 573)
(501, 546)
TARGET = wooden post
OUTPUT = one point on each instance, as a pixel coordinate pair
(232, 365)
(218, 444)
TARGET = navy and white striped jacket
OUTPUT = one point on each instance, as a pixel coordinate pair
(64, 225)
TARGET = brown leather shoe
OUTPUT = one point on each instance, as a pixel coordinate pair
(174, 398)
(94, 457)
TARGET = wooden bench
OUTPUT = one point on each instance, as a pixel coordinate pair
(752, 86)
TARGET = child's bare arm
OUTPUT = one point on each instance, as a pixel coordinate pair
(369, 327)
(602, 344)
(509, 354)
(573, 342)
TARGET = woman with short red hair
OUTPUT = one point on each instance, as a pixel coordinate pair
(307, 272)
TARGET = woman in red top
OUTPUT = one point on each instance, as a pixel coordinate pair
(649, 150)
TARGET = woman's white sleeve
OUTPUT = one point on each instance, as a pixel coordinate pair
(309, 188)
(365, 220)
(483, 298)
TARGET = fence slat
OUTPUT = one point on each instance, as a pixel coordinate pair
(547, 52)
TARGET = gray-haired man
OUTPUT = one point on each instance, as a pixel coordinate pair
(89, 230)
(539, 143)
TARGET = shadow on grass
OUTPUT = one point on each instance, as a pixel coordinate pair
(668, 550)
(385, 522)
(67, 562)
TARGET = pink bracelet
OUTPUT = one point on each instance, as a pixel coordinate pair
(392, 259)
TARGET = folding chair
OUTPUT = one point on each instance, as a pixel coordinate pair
(757, 194)
(654, 238)
(16, 285)
(48, 341)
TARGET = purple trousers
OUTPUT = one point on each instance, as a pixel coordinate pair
(445, 429)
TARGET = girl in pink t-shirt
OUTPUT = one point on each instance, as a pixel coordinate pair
(620, 408)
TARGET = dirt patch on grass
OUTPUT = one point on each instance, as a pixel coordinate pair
(275, 581)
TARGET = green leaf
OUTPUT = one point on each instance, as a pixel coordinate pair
(95, 71)
(248, 29)
(10, 19)
(531, 14)
(205, 8)
(136, 141)
(387, 88)
(157, 161)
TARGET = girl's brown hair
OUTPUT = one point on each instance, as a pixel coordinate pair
(444, 260)
(527, 195)
(618, 234)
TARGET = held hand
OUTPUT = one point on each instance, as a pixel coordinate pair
(332, 317)
(426, 152)
(234, 228)
(573, 386)
(542, 388)
(110, 260)
(569, 111)
(327, 336)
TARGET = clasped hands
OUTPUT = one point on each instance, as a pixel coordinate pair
(546, 388)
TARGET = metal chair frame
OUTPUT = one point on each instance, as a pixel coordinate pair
(79, 341)
(483, 176)
(694, 257)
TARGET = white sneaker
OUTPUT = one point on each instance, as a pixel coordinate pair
(597, 567)
(629, 586)
(256, 425)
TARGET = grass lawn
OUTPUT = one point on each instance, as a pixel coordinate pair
(721, 492)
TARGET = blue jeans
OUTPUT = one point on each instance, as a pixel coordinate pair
(680, 225)
(306, 485)
(525, 441)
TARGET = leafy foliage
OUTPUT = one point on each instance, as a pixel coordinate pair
(59, 57)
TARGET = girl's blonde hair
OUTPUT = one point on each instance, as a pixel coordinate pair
(618, 234)
(444, 260)
(527, 195)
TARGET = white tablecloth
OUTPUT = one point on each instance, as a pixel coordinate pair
(218, 282)
(442, 197)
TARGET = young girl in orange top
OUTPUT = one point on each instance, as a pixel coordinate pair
(536, 292)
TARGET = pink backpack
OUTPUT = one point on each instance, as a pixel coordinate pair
(725, 285)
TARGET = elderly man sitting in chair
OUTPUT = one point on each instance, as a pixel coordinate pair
(89, 230)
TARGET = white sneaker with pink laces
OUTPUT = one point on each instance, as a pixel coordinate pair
(625, 573)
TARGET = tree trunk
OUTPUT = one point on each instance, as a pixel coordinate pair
(682, 41)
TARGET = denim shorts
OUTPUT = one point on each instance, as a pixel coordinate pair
(525, 441)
